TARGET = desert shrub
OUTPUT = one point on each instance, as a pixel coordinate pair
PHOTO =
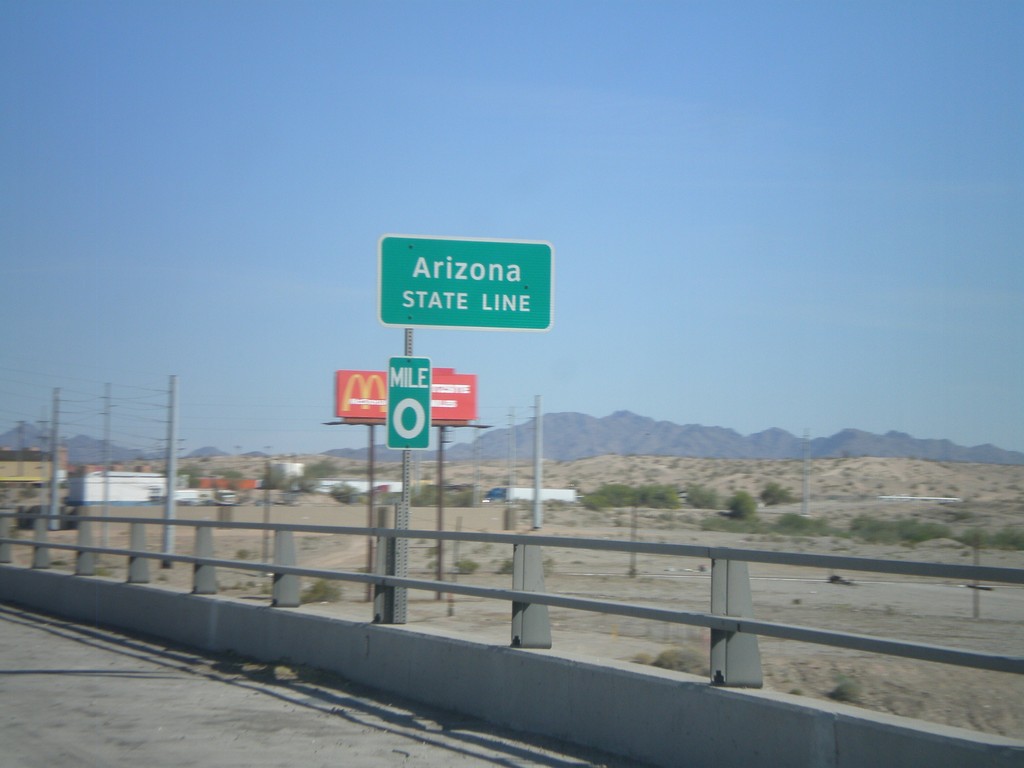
(847, 689)
(1008, 538)
(424, 496)
(774, 493)
(907, 531)
(681, 659)
(652, 496)
(319, 469)
(873, 530)
(742, 506)
(344, 493)
(466, 566)
(974, 537)
(792, 524)
(611, 495)
(702, 497)
(657, 497)
(731, 525)
(321, 591)
(505, 567)
(960, 515)
(460, 498)
(914, 531)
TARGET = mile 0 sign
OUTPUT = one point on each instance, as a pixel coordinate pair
(408, 415)
(464, 283)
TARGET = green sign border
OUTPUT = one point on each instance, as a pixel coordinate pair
(465, 283)
(398, 395)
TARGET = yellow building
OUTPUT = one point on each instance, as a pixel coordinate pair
(27, 465)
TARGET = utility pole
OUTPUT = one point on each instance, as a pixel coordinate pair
(370, 508)
(538, 465)
(509, 523)
(443, 436)
(42, 428)
(54, 523)
(266, 508)
(105, 533)
(21, 449)
(476, 468)
(806, 491)
(172, 468)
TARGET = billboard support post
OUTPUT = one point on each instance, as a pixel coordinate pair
(402, 518)
(369, 514)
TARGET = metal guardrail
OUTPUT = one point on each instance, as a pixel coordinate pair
(735, 656)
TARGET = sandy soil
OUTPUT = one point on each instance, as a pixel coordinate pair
(933, 611)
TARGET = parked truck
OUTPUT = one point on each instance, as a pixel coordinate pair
(188, 497)
(504, 493)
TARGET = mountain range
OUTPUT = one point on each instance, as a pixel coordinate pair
(570, 436)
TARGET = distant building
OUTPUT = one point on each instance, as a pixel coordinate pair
(229, 484)
(30, 465)
(288, 468)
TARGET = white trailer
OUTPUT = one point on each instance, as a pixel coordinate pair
(504, 493)
(121, 489)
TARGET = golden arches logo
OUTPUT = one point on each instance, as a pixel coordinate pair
(363, 383)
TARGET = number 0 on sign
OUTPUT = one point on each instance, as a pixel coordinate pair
(408, 415)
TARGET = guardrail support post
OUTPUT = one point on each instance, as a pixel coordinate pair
(530, 625)
(40, 552)
(5, 532)
(138, 567)
(385, 558)
(85, 562)
(735, 656)
(286, 585)
(204, 577)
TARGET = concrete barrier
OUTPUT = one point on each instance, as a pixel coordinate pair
(664, 718)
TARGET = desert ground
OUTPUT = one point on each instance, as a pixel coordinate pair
(936, 611)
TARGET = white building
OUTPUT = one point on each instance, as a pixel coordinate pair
(288, 468)
(120, 488)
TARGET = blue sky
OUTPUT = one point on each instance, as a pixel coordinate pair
(798, 215)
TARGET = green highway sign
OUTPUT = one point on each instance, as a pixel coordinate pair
(464, 283)
(408, 414)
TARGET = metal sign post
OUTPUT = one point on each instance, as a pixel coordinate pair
(408, 427)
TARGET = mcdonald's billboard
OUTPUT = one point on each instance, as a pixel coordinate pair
(362, 396)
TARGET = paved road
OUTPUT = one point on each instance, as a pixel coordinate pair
(73, 695)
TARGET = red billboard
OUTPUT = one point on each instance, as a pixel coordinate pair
(360, 397)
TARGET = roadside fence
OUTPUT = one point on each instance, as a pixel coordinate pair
(735, 658)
